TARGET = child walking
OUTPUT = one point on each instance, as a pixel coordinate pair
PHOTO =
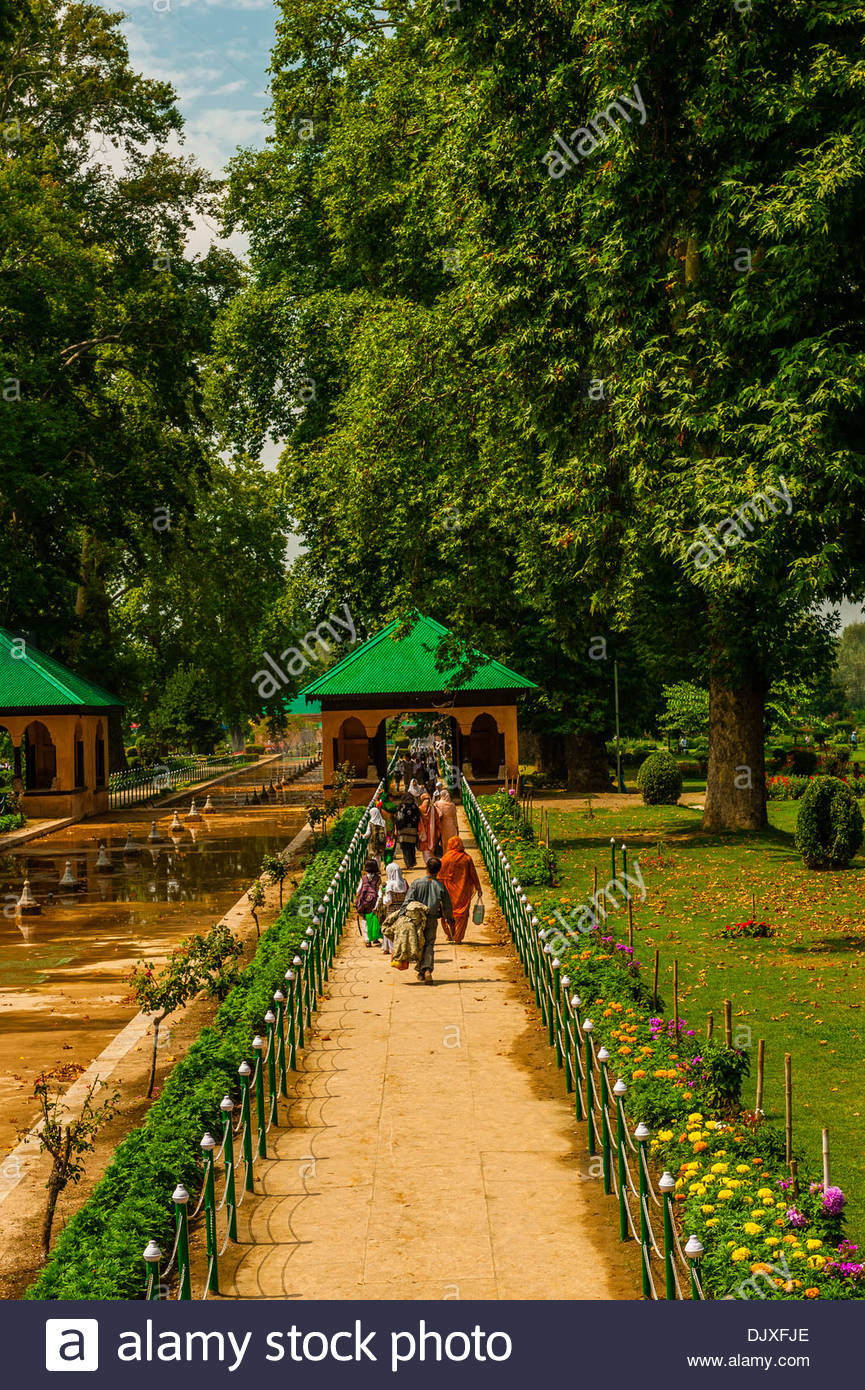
(366, 902)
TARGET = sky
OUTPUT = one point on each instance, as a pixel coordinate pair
(215, 54)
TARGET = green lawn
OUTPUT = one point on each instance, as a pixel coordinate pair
(803, 991)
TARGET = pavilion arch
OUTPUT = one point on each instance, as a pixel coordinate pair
(100, 761)
(40, 757)
(486, 747)
(78, 762)
(351, 745)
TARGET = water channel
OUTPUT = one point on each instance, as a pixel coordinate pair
(63, 992)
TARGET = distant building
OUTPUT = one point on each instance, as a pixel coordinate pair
(58, 724)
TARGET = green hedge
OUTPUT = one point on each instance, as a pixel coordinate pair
(98, 1254)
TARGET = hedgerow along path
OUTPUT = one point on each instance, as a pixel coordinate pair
(426, 1149)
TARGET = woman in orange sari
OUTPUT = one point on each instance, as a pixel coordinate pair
(460, 878)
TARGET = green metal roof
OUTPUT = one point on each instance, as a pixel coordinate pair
(300, 706)
(30, 680)
(386, 665)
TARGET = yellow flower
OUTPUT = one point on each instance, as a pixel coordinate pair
(664, 1135)
(752, 1229)
(800, 1255)
(697, 1189)
(771, 1240)
(725, 1194)
(694, 1135)
(721, 1168)
(765, 1192)
(707, 1211)
(742, 1168)
(813, 1244)
(713, 1221)
(816, 1261)
(695, 1119)
(743, 1253)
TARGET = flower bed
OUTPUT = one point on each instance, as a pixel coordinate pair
(751, 930)
(732, 1189)
(98, 1254)
(533, 862)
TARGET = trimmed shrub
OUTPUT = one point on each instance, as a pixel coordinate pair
(660, 780)
(829, 825)
(803, 761)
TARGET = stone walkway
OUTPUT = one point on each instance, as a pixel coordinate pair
(432, 1152)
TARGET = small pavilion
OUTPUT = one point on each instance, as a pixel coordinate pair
(391, 675)
(58, 724)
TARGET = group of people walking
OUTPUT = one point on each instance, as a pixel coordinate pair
(424, 818)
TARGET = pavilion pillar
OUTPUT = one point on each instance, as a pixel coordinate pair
(506, 718)
(330, 726)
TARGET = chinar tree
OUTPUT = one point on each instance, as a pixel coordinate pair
(722, 274)
(399, 370)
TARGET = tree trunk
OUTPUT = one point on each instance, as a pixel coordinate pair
(152, 1081)
(587, 763)
(736, 785)
(578, 760)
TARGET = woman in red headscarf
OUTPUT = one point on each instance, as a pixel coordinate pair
(460, 878)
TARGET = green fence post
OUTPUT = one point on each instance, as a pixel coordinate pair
(603, 1059)
(666, 1184)
(226, 1105)
(619, 1091)
(642, 1134)
(258, 1044)
(694, 1251)
(566, 1051)
(180, 1198)
(211, 1245)
(244, 1071)
(624, 860)
(314, 934)
(279, 1001)
(613, 855)
(555, 1004)
(578, 1094)
(152, 1256)
(298, 985)
(308, 979)
(270, 1020)
(588, 1026)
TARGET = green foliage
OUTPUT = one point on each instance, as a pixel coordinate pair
(98, 1254)
(532, 862)
(660, 780)
(686, 709)
(67, 1140)
(829, 825)
(850, 664)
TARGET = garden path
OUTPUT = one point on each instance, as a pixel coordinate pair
(430, 1150)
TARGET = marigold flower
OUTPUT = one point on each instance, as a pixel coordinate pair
(812, 1292)
(742, 1168)
(813, 1244)
(725, 1194)
(713, 1221)
(707, 1211)
(743, 1253)
(752, 1229)
(700, 1146)
(635, 1075)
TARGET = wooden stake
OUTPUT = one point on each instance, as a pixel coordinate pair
(728, 1023)
(631, 923)
(788, 1106)
(675, 999)
(794, 1174)
(655, 980)
(710, 1025)
(761, 1058)
(826, 1181)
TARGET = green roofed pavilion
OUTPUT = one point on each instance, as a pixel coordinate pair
(58, 724)
(390, 675)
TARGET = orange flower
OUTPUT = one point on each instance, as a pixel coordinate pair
(812, 1293)
(636, 1074)
(700, 1146)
